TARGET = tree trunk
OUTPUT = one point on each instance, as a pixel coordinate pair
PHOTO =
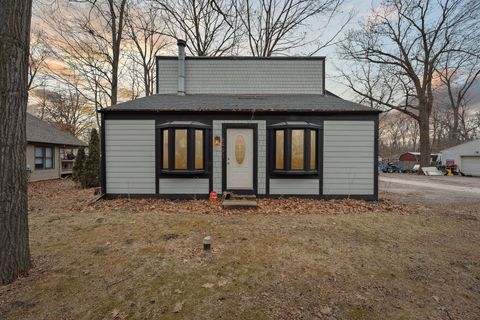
(454, 132)
(146, 79)
(14, 50)
(424, 128)
(114, 92)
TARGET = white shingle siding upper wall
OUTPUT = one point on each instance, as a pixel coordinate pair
(130, 156)
(243, 76)
(348, 165)
(167, 72)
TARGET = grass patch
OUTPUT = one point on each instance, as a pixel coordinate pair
(114, 264)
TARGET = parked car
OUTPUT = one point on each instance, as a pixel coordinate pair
(394, 168)
(382, 167)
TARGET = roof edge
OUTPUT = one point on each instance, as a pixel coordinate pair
(154, 111)
(59, 144)
(162, 57)
(459, 145)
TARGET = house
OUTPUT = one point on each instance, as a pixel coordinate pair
(50, 151)
(408, 159)
(465, 155)
(252, 125)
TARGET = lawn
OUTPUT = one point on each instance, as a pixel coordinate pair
(292, 259)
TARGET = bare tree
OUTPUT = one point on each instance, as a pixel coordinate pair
(404, 42)
(14, 52)
(66, 108)
(398, 133)
(276, 26)
(89, 34)
(458, 72)
(145, 30)
(211, 29)
(37, 57)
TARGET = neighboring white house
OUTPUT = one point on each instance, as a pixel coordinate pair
(465, 155)
(50, 151)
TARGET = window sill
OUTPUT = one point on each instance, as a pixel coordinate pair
(295, 172)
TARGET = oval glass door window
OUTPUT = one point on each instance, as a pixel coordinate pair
(240, 149)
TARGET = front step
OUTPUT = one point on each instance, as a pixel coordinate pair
(239, 201)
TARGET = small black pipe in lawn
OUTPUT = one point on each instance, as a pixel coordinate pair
(207, 243)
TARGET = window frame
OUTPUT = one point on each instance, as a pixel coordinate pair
(43, 157)
(287, 128)
(191, 128)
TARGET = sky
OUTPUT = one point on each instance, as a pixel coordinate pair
(361, 9)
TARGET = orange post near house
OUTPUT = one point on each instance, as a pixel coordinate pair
(213, 196)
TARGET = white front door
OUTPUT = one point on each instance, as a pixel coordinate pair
(240, 159)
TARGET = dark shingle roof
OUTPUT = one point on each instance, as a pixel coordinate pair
(217, 102)
(44, 132)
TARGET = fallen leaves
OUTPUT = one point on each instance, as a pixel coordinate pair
(178, 306)
(63, 193)
(265, 206)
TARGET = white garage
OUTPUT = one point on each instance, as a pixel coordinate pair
(465, 155)
(470, 165)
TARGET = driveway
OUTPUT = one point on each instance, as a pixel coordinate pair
(435, 190)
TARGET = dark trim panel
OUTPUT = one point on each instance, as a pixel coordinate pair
(158, 159)
(320, 197)
(156, 196)
(103, 174)
(323, 77)
(375, 160)
(320, 146)
(205, 196)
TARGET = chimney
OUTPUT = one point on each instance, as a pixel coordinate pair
(181, 67)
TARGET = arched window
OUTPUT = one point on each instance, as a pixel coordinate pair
(295, 147)
(183, 147)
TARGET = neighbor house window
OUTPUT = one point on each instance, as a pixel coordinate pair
(43, 157)
(183, 147)
(295, 149)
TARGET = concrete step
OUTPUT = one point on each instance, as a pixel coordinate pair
(239, 203)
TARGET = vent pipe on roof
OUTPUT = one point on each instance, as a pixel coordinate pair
(181, 67)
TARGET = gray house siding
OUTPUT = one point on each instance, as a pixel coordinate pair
(348, 158)
(130, 156)
(268, 76)
(183, 186)
(295, 186)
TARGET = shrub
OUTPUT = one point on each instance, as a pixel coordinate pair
(92, 163)
(78, 166)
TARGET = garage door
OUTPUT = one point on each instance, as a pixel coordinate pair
(471, 165)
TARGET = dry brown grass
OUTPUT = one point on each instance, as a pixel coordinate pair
(132, 261)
